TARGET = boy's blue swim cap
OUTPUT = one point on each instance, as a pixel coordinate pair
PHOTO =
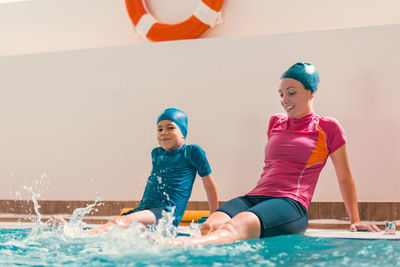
(305, 73)
(177, 116)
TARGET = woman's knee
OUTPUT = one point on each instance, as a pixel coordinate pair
(205, 228)
(246, 225)
(231, 226)
(214, 222)
(209, 227)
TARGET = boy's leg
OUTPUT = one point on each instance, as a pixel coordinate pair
(145, 217)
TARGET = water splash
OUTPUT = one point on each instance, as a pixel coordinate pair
(76, 225)
(73, 228)
(193, 230)
(131, 247)
(35, 192)
(165, 225)
(162, 185)
(128, 247)
(38, 224)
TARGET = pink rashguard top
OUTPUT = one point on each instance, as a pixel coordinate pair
(296, 152)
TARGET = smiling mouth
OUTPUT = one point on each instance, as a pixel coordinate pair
(288, 108)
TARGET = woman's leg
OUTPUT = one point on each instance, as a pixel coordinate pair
(245, 225)
(223, 214)
(145, 217)
(213, 222)
(273, 216)
(281, 216)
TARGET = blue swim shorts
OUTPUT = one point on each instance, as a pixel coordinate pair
(277, 215)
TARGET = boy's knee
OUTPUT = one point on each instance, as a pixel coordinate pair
(120, 221)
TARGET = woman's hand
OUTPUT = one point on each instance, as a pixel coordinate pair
(354, 227)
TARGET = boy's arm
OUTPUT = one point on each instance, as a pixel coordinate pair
(211, 191)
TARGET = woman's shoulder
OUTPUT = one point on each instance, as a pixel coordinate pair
(330, 124)
(278, 116)
(328, 120)
(335, 134)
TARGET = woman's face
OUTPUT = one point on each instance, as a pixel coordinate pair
(295, 98)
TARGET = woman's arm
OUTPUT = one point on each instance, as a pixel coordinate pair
(211, 191)
(348, 189)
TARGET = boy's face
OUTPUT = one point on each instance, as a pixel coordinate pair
(169, 135)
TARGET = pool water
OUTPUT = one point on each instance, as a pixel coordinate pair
(69, 246)
(129, 247)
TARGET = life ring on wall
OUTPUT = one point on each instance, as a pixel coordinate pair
(206, 15)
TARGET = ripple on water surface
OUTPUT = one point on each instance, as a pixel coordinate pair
(131, 247)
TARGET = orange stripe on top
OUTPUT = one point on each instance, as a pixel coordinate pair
(270, 131)
(320, 151)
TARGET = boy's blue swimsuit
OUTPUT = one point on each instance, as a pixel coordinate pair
(171, 180)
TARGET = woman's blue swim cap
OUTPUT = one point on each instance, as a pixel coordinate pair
(305, 73)
(177, 116)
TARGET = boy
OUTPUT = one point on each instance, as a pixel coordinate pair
(170, 183)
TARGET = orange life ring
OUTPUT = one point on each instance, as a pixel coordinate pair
(205, 16)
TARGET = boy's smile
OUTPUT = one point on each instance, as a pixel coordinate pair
(169, 136)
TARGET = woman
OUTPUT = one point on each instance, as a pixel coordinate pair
(298, 146)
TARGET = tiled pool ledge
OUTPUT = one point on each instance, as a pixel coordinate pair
(369, 211)
(23, 219)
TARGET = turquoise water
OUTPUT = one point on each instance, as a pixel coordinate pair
(129, 247)
(68, 246)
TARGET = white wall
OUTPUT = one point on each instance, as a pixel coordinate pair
(56, 25)
(87, 117)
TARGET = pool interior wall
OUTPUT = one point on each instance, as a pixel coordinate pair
(80, 110)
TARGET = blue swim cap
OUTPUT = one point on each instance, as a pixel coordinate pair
(305, 73)
(177, 116)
